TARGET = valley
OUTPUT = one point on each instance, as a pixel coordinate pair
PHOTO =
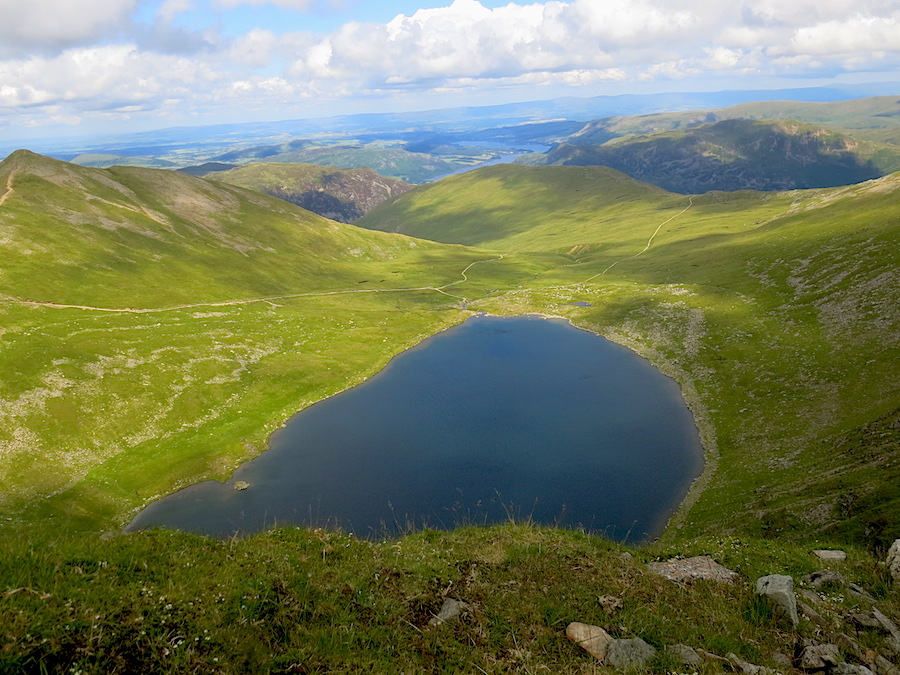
(156, 328)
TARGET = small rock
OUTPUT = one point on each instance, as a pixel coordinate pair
(778, 590)
(810, 596)
(830, 554)
(819, 657)
(885, 667)
(850, 669)
(886, 623)
(592, 639)
(748, 668)
(630, 653)
(811, 614)
(686, 656)
(626, 556)
(709, 656)
(450, 610)
(860, 593)
(893, 560)
(610, 603)
(865, 619)
(892, 645)
(782, 660)
(241, 485)
(825, 577)
(691, 569)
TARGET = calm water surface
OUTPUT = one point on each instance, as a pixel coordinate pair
(495, 417)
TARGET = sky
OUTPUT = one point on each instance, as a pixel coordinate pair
(89, 66)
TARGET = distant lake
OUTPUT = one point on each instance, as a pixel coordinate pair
(497, 417)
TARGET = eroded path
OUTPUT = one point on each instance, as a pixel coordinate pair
(649, 242)
(9, 188)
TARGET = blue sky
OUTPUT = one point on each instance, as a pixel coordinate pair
(83, 66)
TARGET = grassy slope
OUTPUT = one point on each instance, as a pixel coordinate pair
(739, 154)
(777, 313)
(312, 601)
(126, 406)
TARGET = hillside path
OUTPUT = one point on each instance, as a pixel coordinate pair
(649, 242)
(9, 188)
(268, 300)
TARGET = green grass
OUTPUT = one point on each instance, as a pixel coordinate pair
(300, 600)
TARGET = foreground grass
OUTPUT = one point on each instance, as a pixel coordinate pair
(308, 601)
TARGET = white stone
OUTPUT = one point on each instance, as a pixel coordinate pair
(829, 554)
(893, 560)
(592, 639)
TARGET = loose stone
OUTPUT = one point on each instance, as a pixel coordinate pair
(830, 554)
(685, 655)
(778, 591)
(451, 609)
(630, 653)
(819, 657)
(592, 639)
(893, 560)
(691, 569)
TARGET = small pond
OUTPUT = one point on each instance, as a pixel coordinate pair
(498, 417)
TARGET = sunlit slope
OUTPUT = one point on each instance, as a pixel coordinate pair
(778, 313)
(131, 237)
(557, 209)
(519, 207)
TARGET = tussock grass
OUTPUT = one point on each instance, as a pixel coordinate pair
(298, 600)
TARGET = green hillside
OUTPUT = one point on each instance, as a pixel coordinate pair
(738, 155)
(344, 195)
(157, 327)
(776, 312)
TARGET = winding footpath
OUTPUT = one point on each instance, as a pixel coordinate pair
(649, 242)
(268, 300)
(9, 188)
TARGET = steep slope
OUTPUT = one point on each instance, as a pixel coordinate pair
(738, 155)
(344, 195)
(516, 207)
(129, 236)
(778, 313)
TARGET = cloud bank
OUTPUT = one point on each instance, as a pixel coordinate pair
(117, 58)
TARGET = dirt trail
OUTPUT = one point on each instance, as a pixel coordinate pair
(649, 242)
(9, 188)
(268, 300)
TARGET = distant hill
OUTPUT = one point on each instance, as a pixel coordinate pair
(103, 161)
(737, 154)
(201, 170)
(386, 160)
(344, 195)
(868, 118)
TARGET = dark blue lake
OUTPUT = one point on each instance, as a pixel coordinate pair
(496, 417)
